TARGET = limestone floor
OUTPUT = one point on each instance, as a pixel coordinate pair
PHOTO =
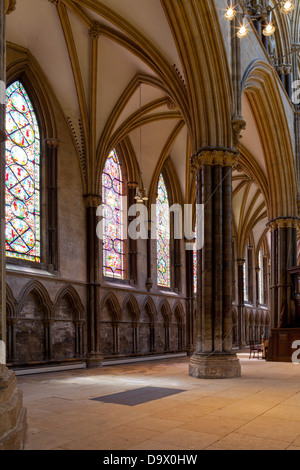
(261, 410)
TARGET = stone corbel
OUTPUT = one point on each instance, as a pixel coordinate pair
(238, 124)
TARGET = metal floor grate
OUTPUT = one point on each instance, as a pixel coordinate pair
(138, 396)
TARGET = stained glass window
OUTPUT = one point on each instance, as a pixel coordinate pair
(261, 277)
(195, 270)
(245, 282)
(113, 240)
(163, 234)
(22, 176)
(195, 265)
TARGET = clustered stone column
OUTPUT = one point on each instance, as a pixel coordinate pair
(241, 303)
(283, 256)
(94, 357)
(52, 154)
(12, 413)
(285, 75)
(189, 261)
(213, 356)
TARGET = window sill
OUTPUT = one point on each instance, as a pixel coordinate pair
(40, 269)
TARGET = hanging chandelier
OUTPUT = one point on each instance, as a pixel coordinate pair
(232, 12)
(141, 192)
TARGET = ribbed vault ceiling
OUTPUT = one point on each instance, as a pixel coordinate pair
(58, 37)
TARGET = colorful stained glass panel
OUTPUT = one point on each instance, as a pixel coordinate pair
(113, 243)
(163, 234)
(22, 176)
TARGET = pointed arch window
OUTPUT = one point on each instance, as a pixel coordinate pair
(163, 235)
(195, 265)
(22, 176)
(113, 219)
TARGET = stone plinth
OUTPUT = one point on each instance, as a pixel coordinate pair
(12, 413)
(216, 366)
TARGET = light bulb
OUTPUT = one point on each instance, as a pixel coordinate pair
(269, 30)
(243, 31)
(230, 13)
(288, 7)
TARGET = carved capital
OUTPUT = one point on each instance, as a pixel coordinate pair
(92, 200)
(241, 262)
(10, 6)
(53, 142)
(284, 222)
(132, 184)
(95, 30)
(214, 157)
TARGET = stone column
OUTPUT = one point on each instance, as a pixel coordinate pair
(288, 80)
(189, 263)
(52, 150)
(213, 357)
(12, 413)
(241, 304)
(94, 357)
(283, 256)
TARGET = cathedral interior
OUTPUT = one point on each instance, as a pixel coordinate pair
(110, 105)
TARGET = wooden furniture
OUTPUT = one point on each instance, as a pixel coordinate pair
(255, 350)
(280, 346)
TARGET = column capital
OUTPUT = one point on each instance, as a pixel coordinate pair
(132, 184)
(287, 69)
(284, 222)
(92, 200)
(52, 142)
(214, 156)
(241, 262)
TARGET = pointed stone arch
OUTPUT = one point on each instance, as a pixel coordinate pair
(131, 304)
(11, 303)
(112, 302)
(71, 295)
(165, 310)
(37, 289)
(148, 306)
(261, 88)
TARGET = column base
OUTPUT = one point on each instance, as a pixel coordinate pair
(216, 366)
(12, 414)
(94, 361)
